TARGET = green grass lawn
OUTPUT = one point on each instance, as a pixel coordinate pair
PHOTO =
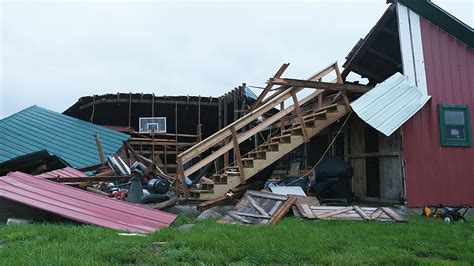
(420, 241)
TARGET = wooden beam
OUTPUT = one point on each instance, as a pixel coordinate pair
(149, 101)
(99, 148)
(282, 120)
(283, 210)
(300, 117)
(268, 87)
(338, 74)
(181, 180)
(88, 178)
(320, 85)
(346, 101)
(214, 202)
(238, 155)
(176, 126)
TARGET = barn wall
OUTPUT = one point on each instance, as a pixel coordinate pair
(436, 174)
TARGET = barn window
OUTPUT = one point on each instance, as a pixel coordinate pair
(455, 125)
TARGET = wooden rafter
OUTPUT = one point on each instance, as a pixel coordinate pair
(320, 85)
(268, 87)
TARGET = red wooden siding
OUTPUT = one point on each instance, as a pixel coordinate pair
(436, 174)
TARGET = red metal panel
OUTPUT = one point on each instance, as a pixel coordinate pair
(64, 172)
(80, 205)
(436, 174)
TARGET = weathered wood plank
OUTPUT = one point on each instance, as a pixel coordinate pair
(256, 206)
(267, 195)
(283, 210)
(239, 218)
(332, 213)
(250, 215)
(362, 213)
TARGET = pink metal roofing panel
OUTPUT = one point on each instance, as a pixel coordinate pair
(64, 172)
(80, 205)
(436, 174)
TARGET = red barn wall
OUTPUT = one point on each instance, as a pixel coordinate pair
(436, 174)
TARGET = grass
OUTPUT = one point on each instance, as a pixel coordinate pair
(292, 241)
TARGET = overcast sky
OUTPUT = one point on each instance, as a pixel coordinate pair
(54, 53)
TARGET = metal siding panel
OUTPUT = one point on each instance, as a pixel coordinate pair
(391, 103)
(36, 128)
(436, 174)
(80, 205)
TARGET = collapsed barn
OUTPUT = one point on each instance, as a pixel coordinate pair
(403, 137)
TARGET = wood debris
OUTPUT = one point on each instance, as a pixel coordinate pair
(258, 207)
(348, 213)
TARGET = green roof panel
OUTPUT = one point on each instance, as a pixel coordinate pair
(36, 128)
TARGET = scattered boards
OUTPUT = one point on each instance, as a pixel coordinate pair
(258, 207)
(348, 213)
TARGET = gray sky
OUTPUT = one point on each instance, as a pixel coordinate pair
(53, 53)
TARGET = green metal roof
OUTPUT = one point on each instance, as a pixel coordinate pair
(443, 19)
(36, 128)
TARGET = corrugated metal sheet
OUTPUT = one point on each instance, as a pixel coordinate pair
(80, 205)
(436, 174)
(250, 94)
(65, 172)
(390, 104)
(73, 140)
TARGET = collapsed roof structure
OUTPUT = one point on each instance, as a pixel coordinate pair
(73, 140)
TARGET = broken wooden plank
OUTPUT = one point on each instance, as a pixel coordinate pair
(239, 218)
(393, 214)
(268, 87)
(256, 206)
(334, 212)
(282, 211)
(362, 213)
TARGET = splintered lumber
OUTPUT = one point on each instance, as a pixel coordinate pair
(268, 87)
(99, 147)
(214, 202)
(348, 213)
(307, 200)
(257, 207)
(283, 210)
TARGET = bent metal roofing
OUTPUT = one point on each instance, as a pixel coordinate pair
(37, 128)
(80, 205)
(390, 104)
